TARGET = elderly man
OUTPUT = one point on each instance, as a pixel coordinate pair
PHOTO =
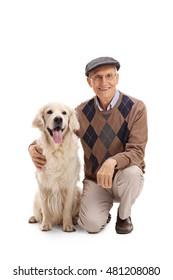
(113, 133)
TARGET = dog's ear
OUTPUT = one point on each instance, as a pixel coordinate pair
(39, 120)
(73, 122)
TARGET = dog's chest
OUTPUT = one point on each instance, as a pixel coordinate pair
(52, 175)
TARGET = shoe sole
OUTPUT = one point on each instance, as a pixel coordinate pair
(123, 231)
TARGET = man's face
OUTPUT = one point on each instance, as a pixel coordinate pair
(103, 80)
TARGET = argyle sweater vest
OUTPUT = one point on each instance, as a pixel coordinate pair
(119, 133)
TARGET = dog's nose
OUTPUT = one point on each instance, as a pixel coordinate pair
(58, 120)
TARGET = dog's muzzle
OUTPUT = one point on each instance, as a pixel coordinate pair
(57, 130)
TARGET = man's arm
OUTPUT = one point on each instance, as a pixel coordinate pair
(135, 147)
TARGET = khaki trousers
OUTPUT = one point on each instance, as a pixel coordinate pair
(97, 201)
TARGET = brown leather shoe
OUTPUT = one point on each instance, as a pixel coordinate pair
(123, 226)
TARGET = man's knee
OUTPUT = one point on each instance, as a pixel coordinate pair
(132, 176)
(132, 172)
(130, 183)
(91, 223)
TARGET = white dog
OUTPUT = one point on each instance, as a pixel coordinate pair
(58, 198)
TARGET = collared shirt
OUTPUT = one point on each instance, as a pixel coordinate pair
(112, 103)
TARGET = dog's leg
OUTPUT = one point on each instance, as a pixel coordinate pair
(46, 221)
(67, 212)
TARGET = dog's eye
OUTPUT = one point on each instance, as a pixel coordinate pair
(64, 112)
(49, 112)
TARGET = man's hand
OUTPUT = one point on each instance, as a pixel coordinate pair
(37, 157)
(106, 172)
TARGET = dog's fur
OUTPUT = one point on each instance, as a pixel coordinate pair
(58, 198)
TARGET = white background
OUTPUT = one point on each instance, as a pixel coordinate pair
(44, 47)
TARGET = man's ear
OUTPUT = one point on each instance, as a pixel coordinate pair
(117, 77)
(39, 120)
(73, 122)
(89, 81)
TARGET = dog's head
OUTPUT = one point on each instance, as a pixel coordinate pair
(56, 119)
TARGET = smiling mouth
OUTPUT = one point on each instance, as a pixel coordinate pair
(104, 88)
(56, 134)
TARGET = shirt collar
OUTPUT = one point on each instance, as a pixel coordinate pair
(112, 103)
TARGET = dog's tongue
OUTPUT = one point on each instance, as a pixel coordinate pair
(57, 136)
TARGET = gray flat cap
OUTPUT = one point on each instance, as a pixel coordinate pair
(100, 61)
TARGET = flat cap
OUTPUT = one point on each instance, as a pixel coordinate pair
(100, 61)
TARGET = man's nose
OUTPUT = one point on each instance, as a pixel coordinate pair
(103, 79)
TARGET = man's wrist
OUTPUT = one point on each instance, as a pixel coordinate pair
(112, 161)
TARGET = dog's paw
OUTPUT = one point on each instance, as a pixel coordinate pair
(45, 227)
(69, 228)
(32, 220)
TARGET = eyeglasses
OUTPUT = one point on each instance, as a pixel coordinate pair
(98, 78)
